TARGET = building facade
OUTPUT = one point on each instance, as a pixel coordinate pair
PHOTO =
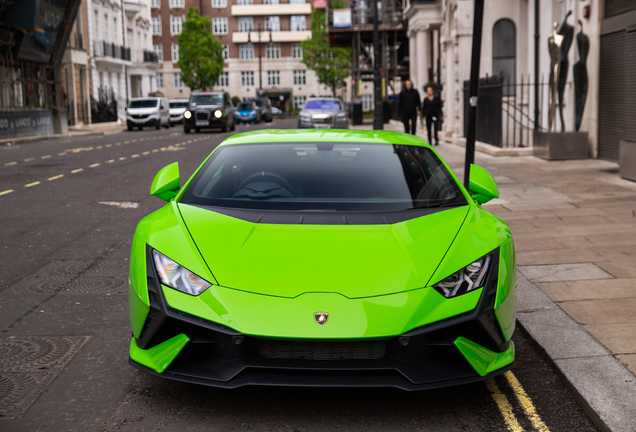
(235, 23)
(440, 38)
(123, 64)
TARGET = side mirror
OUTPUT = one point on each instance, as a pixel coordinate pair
(166, 183)
(482, 185)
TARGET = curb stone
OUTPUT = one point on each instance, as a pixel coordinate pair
(602, 385)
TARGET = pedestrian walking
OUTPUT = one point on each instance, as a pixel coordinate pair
(432, 112)
(409, 107)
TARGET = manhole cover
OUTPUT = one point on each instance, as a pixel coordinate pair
(29, 364)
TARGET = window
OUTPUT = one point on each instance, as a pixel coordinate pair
(159, 80)
(96, 20)
(177, 80)
(226, 51)
(297, 1)
(246, 24)
(272, 23)
(177, 3)
(245, 2)
(299, 102)
(273, 78)
(176, 25)
(158, 50)
(106, 28)
(175, 52)
(270, 1)
(156, 25)
(367, 102)
(246, 51)
(503, 53)
(297, 51)
(272, 50)
(224, 80)
(300, 77)
(298, 23)
(247, 79)
(155, 3)
(115, 32)
(219, 3)
(219, 25)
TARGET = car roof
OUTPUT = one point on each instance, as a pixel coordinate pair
(206, 93)
(324, 98)
(324, 135)
(178, 100)
(146, 98)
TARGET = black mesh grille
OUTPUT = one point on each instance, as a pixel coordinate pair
(371, 350)
(202, 115)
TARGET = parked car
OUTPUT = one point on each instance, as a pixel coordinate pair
(276, 111)
(148, 111)
(177, 108)
(265, 108)
(247, 112)
(323, 113)
(323, 258)
(209, 110)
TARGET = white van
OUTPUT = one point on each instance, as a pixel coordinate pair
(148, 111)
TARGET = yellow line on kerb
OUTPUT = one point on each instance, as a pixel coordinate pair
(504, 406)
(526, 403)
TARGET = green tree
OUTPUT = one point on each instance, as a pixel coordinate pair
(332, 65)
(200, 53)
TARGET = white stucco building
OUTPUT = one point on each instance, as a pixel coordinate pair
(440, 39)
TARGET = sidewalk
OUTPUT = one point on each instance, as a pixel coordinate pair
(73, 131)
(574, 226)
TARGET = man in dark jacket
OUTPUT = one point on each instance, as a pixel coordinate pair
(432, 112)
(409, 107)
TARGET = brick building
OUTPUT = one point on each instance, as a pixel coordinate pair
(284, 79)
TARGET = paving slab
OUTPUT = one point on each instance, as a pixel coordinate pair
(542, 243)
(613, 311)
(564, 256)
(563, 272)
(621, 269)
(618, 338)
(589, 289)
(629, 361)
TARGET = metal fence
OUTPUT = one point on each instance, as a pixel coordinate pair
(505, 113)
(108, 49)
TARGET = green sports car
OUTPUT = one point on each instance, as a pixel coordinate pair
(323, 258)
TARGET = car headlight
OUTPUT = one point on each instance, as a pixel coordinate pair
(305, 117)
(178, 277)
(468, 279)
(218, 114)
(187, 114)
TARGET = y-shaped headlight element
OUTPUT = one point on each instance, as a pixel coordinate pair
(178, 277)
(468, 279)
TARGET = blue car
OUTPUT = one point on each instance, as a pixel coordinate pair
(247, 112)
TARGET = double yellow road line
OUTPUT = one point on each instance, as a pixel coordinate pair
(505, 408)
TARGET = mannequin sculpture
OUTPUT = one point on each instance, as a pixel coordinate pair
(554, 48)
(580, 76)
(567, 31)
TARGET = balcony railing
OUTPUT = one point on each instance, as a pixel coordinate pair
(108, 49)
(143, 56)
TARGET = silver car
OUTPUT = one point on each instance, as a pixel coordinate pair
(323, 113)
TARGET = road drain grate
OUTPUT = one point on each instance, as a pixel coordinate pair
(29, 364)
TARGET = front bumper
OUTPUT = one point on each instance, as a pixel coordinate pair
(465, 348)
(212, 122)
(176, 119)
(147, 121)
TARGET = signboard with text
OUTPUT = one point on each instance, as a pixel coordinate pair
(342, 17)
(320, 4)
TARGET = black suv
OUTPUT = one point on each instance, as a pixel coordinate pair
(265, 107)
(209, 110)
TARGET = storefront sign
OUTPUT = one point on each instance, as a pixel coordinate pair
(342, 18)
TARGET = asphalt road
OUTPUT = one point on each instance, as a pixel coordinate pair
(68, 210)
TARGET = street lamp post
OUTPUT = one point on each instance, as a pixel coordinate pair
(378, 124)
(260, 29)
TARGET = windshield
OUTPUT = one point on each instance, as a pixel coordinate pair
(143, 103)
(245, 106)
(260, 102)
(324, 176)
(178, 104)
(206, 99)
(330, 105)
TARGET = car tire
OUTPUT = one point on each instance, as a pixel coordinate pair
(186, 130)
(224, 127)
(197, 130)
(233, 126)
(158, 126)
(130, 128)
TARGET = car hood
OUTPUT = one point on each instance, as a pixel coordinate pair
(352, 260)
(206, 107)
(318, 113)
(137, 111)
(177, 111)
(244, 113)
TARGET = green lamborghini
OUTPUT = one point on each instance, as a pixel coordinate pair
(323, 258)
